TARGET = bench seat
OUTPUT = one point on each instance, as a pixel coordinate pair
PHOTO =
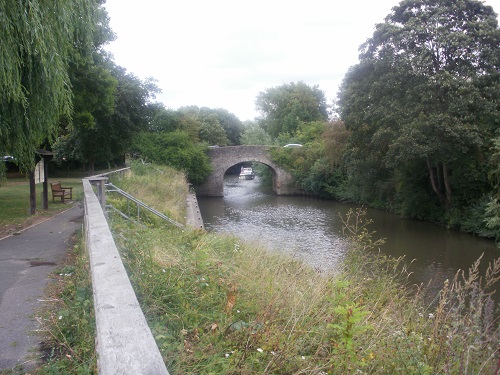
(60, 191)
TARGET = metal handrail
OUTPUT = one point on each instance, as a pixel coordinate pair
(141, 204)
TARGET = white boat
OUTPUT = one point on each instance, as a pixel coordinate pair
(247, 174)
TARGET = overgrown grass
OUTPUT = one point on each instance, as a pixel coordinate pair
(160, 187)
(14, 200)
(220, 306)
(67, 318)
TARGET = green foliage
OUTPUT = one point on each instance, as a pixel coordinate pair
(255, 135)
(483, 218)
(174, 149)
(494, 170)
(69, 324)
(310, 168)
(212, 126)
(212, 132)
(286, 106)
(335, 137)
(110, 107)
(420, 102)
(215, 125)
(37, 41)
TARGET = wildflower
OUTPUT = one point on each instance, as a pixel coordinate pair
(227, 355)
(260, 350)
(60, 317)
(303, 357)
(431, 316)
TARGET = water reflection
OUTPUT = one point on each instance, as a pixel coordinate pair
(311, 229)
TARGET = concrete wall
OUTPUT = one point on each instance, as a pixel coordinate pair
(222, 158)
(124, 341)
(193, 214)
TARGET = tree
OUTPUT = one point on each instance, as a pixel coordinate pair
(425, 95)
(284, 107)
(211, 122)
(36, 41)
(231, 124)
(335, 137)
(212, 132)
(255, 135)
(175, 149)
(110, 107)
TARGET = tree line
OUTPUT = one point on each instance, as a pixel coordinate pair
(414, 130)
(417, 127)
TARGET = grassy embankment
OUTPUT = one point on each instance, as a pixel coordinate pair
(220, 306)
(217, 305)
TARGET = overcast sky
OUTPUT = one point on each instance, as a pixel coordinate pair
(222, 53)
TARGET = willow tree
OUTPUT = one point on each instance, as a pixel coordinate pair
(36, 40)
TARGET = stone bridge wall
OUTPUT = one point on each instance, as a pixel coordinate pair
(223, 158)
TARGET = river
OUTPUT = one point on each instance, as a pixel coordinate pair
(311, 229)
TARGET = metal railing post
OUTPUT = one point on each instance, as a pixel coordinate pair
(100, 183)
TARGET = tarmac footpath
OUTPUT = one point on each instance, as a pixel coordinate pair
(26, 261)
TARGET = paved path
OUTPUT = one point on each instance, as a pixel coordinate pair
(26, 260)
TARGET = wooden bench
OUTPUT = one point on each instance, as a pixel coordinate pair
(59, 191)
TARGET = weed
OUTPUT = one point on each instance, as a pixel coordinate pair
(67, 319)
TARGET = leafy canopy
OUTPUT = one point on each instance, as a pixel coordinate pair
(286, 106)
(424, 96)
(36, 41)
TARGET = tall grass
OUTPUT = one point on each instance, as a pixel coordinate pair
(217, 305)
(160, 187)
(67, 318)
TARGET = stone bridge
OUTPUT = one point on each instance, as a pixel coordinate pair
(223, 158)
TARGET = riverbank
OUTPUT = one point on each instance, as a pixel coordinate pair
(219, 305)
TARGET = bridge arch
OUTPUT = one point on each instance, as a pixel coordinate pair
(223, 158)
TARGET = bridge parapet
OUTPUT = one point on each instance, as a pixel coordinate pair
(223, 158)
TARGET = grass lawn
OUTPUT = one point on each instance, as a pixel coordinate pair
(14, 202)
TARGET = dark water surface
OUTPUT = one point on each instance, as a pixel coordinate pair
(311, 229)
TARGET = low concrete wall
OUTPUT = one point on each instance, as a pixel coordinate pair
(125, 344)
(193, 218)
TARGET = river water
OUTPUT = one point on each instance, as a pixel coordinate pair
(311, 229)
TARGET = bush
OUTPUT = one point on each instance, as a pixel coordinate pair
(174, 149)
